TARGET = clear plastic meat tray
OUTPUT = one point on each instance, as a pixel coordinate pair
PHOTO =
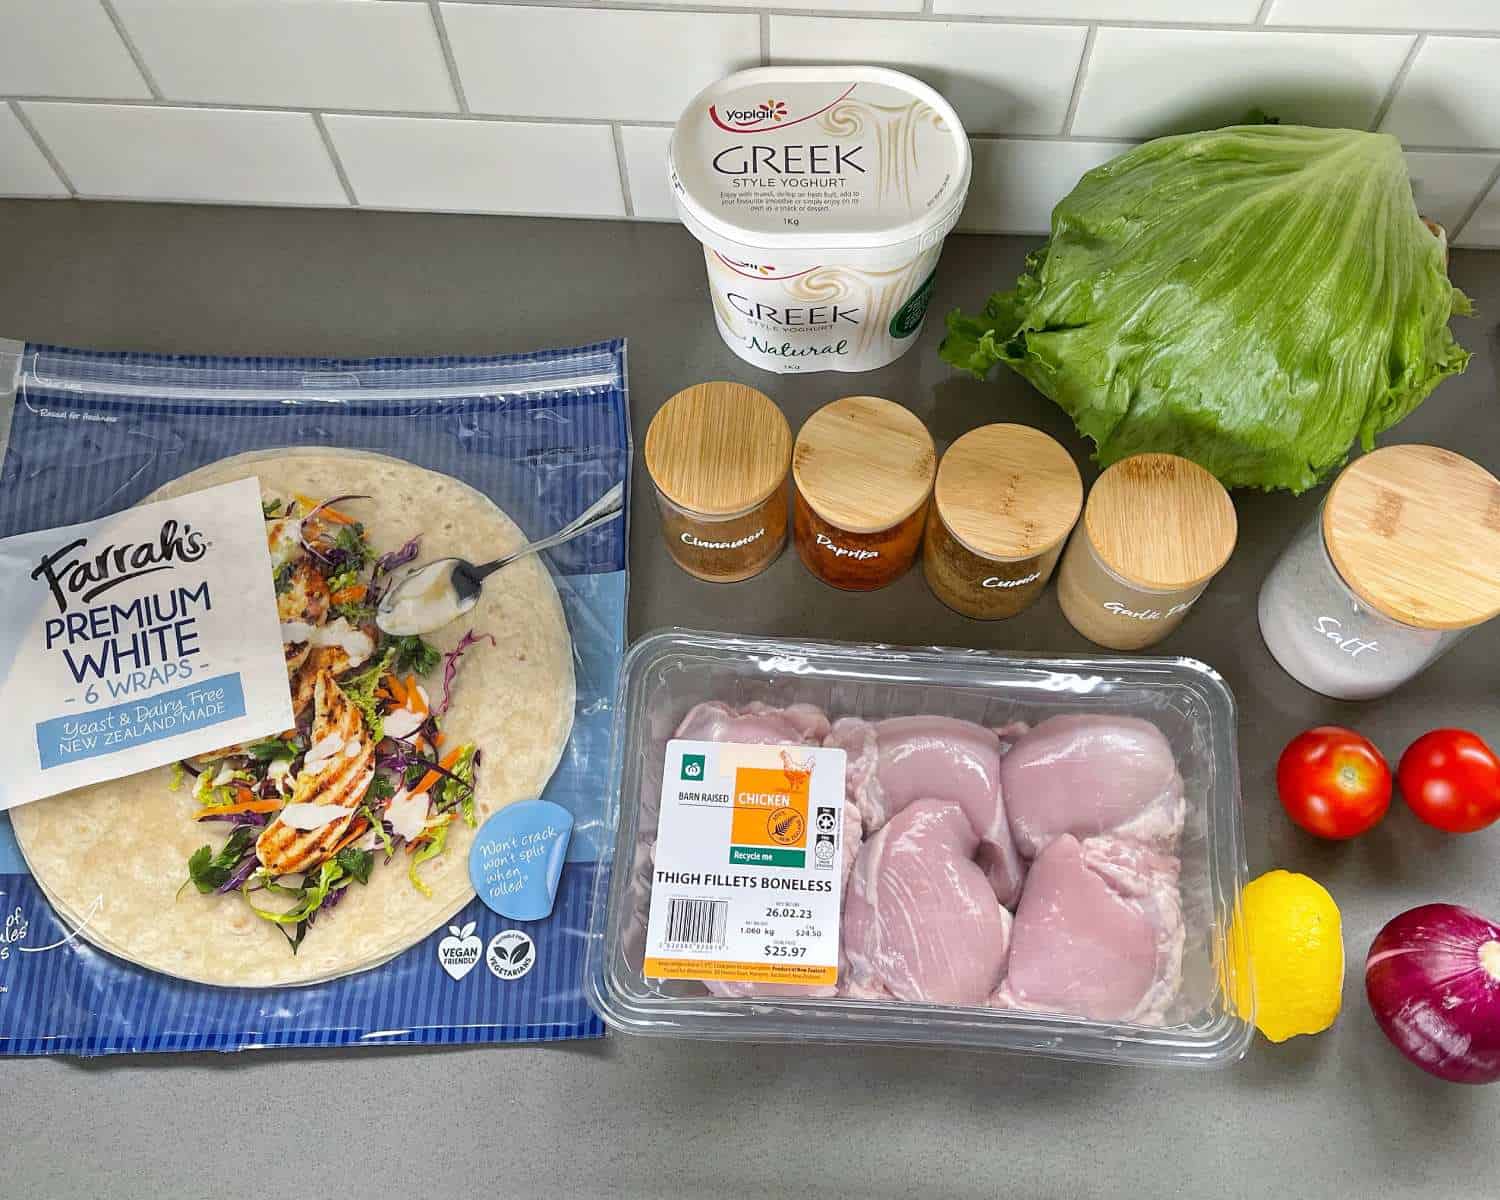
(668, 673)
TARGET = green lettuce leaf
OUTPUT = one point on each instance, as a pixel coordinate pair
(1253, 298)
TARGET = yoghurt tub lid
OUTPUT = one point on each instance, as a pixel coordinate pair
(819, 158)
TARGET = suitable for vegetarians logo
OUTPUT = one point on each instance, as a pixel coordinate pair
(458, 953)
(510, 955)
(693, 767)
(84, 576)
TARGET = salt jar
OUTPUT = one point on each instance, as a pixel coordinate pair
(1401, 562)
(1155, 531)
(718, 454)
(1005, 500)
(862, 469)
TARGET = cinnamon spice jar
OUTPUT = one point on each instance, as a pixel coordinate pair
(863, 469)
(718, 454)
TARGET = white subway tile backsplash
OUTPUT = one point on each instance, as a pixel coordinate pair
(1446, 185)
(1017, 184)
(902, 6)
(1000, 78)
(1145, 82)
(1451, 95)
(646, 168)
(607, 64)
(567, 105)
(1483, 228)
(24, 170)
(1108, 10)
(204, 154)
(313, 53)
(64, 48)
(479, 166)
(1389, 14)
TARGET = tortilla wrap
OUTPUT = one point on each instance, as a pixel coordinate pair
(112, 857)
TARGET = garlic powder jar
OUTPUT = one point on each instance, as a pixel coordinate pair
(821, 196)
(1156, 529)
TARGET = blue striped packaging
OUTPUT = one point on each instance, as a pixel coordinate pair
(543, 435)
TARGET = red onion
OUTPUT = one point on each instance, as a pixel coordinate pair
(1433, 979)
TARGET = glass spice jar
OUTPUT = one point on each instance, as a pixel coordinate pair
(1399, 564)
(1155, 531)
(718, 454)
(862, 471)
(1005, 499)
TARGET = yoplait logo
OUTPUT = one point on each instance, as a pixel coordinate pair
(756, 117)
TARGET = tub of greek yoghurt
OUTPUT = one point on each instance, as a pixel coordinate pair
(821, 196)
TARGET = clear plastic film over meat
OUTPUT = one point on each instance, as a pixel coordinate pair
(1038, 854)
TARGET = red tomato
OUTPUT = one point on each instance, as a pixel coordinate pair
(1451, 779)
(1333, 782)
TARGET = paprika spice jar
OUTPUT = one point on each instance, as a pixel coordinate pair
(1006, 497)
(1156, 530)
(863, 470)
(718, 454)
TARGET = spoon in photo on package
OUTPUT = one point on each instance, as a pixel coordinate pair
(428, 597)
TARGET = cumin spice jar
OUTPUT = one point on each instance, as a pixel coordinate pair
(1156, 530)
(1006, 497)
(718, 454)
(863, 470)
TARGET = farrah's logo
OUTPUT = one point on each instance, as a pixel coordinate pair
(768, 114)
(71, 576)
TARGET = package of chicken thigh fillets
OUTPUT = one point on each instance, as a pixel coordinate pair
(842, 842)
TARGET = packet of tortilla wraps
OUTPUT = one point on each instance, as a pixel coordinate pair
(315, 887)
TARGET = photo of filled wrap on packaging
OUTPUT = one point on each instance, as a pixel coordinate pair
(1037, 853)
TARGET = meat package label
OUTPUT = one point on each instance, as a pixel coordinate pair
(748, 873)
(136, 640)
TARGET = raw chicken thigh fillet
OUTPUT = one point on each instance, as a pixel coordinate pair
(896, 762)
(1098, 933)
(921, 922)
(1088, 774)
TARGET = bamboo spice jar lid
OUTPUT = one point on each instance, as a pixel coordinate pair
(1161, 522)
(864, 464)
(1008, 492)
(718, 449)
(1415, 532)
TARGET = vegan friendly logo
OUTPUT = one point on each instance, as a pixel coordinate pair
(458, 953)
(693, 767)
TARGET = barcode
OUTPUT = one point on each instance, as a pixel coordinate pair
(696, 922)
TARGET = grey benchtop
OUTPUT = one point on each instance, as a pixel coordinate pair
(1341, 1114)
